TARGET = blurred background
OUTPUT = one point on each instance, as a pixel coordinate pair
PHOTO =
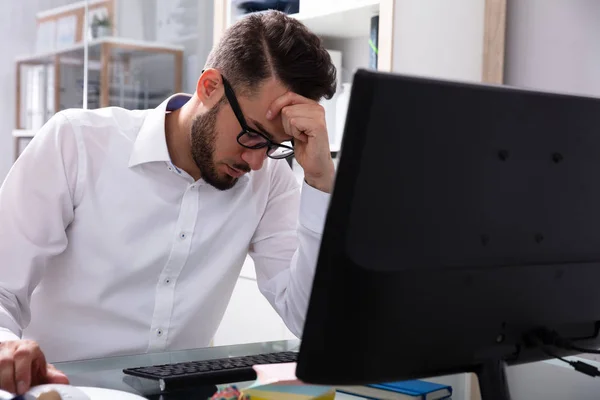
(135, 53)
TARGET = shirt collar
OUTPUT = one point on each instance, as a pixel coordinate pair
(151, 142)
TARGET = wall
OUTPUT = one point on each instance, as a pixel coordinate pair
(552, 45)
(17, 22)
(439, 38)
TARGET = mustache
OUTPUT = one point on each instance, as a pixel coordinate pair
(242, 167)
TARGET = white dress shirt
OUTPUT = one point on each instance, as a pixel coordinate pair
(107, 248)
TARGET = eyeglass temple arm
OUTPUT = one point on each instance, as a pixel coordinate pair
(235, 106)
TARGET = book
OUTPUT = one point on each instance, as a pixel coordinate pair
(409, 390)
(374, 42)
(279, 382)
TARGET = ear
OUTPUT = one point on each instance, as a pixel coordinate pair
(210, 87)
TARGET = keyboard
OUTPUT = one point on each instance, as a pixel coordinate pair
(209, 372)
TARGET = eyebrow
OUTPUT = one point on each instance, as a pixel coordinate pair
(262, 129)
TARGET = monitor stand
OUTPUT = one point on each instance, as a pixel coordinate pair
(492, 380)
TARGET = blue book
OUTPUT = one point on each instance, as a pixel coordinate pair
(409, 390)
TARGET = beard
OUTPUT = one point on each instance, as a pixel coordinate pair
(203, 150)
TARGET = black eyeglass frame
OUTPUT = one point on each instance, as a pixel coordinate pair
(268, 144)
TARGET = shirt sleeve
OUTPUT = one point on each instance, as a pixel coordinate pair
(286, 246)
(36, 206)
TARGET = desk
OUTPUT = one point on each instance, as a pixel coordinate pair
(536, 381)
(107, 372)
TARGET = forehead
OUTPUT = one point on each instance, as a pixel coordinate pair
(255, 107)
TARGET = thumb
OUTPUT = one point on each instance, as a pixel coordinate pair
(55, 376)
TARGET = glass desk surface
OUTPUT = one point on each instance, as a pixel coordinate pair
(108, 372)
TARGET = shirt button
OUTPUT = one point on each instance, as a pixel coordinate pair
(193, 187)
(183, 235)
(159, 332)
(167, 281)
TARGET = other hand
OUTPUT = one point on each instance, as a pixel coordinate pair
(23, 365)
(304, 120)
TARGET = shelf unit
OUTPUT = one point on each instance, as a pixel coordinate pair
(123, 69)
(102, 53)
(343, 20)
(347, 20)
(103, 50)
(340, 21)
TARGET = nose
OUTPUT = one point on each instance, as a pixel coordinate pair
(254, 158)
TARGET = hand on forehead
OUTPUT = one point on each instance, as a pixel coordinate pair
(256, 109)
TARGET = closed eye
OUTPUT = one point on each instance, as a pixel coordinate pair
(253, 135)
(263, 130)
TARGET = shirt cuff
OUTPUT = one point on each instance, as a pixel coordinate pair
(313, 208)
(7, 335)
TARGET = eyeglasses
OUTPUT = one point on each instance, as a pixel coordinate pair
(252, 139)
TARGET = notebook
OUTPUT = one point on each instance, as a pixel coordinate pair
(409, 390)
(279, 382)
(68, 392)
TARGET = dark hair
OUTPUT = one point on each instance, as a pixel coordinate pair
(272, 44)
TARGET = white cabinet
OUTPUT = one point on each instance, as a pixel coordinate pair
(249, 317)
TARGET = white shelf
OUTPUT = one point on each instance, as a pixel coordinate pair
(131, 46)
(183, 39)
(23, 133)
(69, 7)
(347, 20)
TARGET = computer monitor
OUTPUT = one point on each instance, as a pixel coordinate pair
(464, 217)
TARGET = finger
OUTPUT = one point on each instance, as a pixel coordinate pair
(315, 111)
(287, 127)
(303, 127)
(293, 131)
(286, 99)
(313, 116)
(38, 367)
(56, 376)
(24, 357)
(7, 371)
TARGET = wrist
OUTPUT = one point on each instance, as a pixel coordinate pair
(322, 182)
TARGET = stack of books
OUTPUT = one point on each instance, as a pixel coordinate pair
(405, 390)
(279, 382)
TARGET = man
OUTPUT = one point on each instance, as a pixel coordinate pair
(125, 231)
